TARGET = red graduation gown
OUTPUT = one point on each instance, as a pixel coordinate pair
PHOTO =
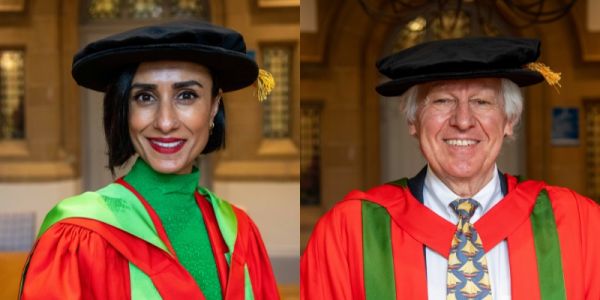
(80, 258)
(332, 265)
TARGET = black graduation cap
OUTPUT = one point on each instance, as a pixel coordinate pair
(221, 50)
(511, 58)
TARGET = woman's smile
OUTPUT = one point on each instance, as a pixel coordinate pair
(166, 145)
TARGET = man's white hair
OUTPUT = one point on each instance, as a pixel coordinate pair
(510, 92)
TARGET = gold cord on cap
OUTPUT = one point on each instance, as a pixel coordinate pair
(265, 83)
(551, 77)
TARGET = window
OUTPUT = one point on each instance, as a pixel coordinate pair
(277, 59)
(310, 159)
(430, 23)
(98, 10)
(12, 95)
(104, 9)
(145, 9)
(592, 152)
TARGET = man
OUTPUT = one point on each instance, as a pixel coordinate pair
(460, 229)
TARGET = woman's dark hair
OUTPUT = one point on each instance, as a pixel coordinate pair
(116, 120)
(216, 140)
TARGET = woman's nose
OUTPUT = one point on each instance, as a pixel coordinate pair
(166, 118)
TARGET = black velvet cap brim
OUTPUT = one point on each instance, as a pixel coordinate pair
(466, 58)
(220, 49)
(233, 69)
(522, 77)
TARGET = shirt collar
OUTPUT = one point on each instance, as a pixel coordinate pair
(440, 196)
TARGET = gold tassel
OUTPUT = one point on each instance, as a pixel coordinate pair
(551, 77)
(265, 83)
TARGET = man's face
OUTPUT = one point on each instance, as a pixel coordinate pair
(460, 125)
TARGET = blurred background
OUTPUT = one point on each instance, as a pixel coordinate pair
(51, 139)
(354, 139)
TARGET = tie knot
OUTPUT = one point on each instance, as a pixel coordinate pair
(464, 208)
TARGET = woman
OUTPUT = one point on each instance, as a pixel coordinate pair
(154, 233)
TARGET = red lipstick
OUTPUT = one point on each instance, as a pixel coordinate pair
(166, 145)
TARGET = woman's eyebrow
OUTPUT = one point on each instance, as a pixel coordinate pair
(144, 86)
(182, 84)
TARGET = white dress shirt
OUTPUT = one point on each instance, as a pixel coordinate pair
(437, 197)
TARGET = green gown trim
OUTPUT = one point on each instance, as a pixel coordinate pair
(377, 242)
(114, 205)
(547, 249)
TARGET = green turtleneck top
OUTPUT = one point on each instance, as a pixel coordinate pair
(172, 198)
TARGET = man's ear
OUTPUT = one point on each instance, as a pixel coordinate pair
(509, 128)
(412, 129)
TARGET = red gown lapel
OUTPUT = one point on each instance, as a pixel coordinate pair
(523, 263)
(417, 220)
(409, 266)
(436, 233)
(509, 214)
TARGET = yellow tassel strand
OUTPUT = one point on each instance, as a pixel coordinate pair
(265, 83)
(551, 77)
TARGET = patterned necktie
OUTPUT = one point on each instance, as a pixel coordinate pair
(467, 265)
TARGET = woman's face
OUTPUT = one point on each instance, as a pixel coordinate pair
(170, 112)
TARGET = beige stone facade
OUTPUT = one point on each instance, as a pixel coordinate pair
(260, 175)
(333, 65)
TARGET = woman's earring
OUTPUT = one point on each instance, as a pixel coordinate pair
(212, 126)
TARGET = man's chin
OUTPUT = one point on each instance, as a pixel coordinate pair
(462, 171)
